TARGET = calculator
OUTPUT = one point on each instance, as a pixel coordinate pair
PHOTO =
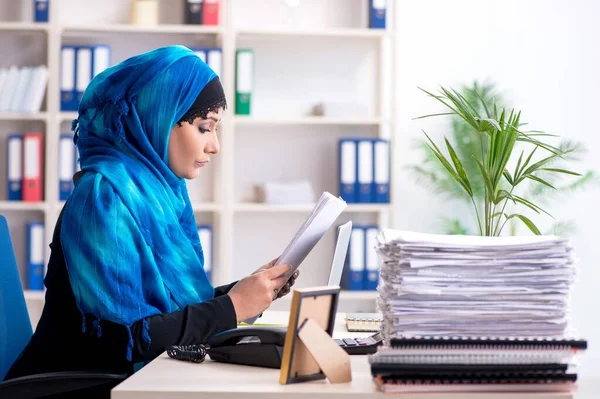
(361, 346)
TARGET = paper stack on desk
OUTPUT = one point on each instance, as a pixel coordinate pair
(440, 285)
(465, 314)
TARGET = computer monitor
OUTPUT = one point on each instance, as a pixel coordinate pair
(339, 256)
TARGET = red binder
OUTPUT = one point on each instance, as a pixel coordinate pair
(33, 170)
(210, 12)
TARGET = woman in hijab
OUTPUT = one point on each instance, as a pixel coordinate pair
(125, 279)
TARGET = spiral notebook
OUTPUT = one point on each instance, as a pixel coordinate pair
(489, 342)
(389, 385)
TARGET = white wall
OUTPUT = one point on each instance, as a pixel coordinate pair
(544, 55)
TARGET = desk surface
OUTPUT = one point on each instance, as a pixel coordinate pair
(165, 377)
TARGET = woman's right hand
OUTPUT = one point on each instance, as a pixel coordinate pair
(253, 294)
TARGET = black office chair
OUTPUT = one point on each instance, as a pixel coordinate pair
(15, 333)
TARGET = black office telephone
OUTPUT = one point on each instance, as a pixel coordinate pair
(252, 346)
(263, 346)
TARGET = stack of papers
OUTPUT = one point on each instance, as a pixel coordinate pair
(439, 285)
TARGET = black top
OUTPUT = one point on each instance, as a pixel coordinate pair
(59, 343)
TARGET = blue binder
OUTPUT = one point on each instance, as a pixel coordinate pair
(35, 255)
(206, 239)
(83, 71)
(68, 76)
(101, 55)
(377, 14)
(365, 171)
(371, 273)
(201, 53)
(41, 12)
(214, 57)
(66, 166)
(14, 167)
(348, 169)
(357, 258)
(381, 171)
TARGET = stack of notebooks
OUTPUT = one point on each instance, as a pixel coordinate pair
(437, 292)
(467, 364)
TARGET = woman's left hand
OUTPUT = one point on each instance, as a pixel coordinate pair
(283, 291)
(288, 286)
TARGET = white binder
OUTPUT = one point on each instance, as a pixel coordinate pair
(67, 79)
(84, 70)
(9, 88)
(357, 258)
(245, 63)
(365, 171)
(215, 60)
(348, 168)
(382, 171)
(21, 89)
(101, 59)
(371, 259)
(66, 166)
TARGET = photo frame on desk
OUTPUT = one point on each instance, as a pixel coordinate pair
(309, 351)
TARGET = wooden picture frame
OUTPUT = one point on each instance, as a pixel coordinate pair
(309, 351)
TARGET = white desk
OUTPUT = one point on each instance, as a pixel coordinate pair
(169, 378)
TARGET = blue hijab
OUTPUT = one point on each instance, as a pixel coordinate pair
(128, 231)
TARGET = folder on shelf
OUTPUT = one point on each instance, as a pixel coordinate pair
(35, 256)
(356, 259)
(100, 59)
(206, 239)
(34, 95)
(66, 166)
(33, 157)
(24, 77)
(68, 61)
(244, 81)
(381, 173)
(3, 75)
(193, 12)
(41, 12)
(210, 13)
(14, 167)
(377, 14)
(83, 76)
(201, 53)
(347, 170)
(371, 276)
(40, 89)
(215, 60)
(365, 171)
(8, 88)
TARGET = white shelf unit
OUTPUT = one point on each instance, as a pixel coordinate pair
(268, 144)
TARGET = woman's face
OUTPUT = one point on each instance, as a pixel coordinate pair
(190, 145)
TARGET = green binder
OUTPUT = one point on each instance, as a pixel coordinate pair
(244, 81)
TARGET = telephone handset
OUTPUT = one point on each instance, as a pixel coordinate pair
(253, 346)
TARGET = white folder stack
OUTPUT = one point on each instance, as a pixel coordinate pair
(439, 285)
(22, 89)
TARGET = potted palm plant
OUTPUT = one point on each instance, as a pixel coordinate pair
(476, 168)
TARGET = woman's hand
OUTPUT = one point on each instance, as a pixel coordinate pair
(288, 285)
(253, 294)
